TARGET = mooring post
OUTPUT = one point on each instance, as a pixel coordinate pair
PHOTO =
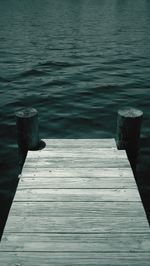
(128, 133)
(27, 132)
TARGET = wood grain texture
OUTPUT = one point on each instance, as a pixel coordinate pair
(76, 162)
(101, 143)
(77, 172)
(78, 209)
(86, 224)
(106, 242)
(77, 203)
(77, 195)
(74, 259)
(77, 153)
(95, 182)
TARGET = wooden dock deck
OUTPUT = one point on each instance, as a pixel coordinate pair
(77, 203)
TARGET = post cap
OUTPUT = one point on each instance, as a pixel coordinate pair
(26, 112)
(130, 112)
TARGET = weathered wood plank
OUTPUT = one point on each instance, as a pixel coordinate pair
(74, 258)
(101, 143)
(76, 242)
(76, 204)
(77, 195)
(34, 182)
(78, 209)
(78, 172)
(78, 153)
(52, 224)
(76, 162)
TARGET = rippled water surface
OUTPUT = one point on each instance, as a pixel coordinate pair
(76, 62)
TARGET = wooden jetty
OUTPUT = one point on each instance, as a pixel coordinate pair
(77, 203)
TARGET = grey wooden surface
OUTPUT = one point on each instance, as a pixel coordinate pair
(77, 203)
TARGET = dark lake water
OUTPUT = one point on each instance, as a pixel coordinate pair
(77, 62)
